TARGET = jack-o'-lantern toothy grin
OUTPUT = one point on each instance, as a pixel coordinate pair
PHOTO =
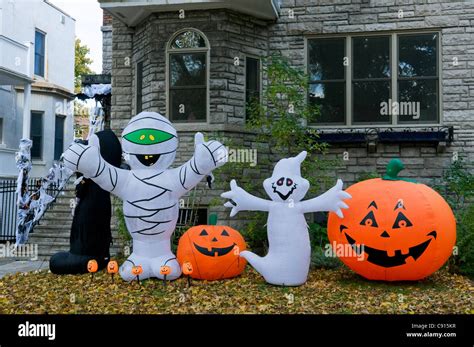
(214, 251)
(381, 258)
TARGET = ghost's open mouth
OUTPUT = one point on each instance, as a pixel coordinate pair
(214, 251)
(283, 196)
(381, 258)
(148, 159)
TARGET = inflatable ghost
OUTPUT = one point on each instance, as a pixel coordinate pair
(150, 190)
(90, 230)
(289, 253)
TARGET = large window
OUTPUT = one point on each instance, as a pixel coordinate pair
(36, 135)
(380, 79)
(187, 77)
(40, 43)
(252, 82)
(58, 137)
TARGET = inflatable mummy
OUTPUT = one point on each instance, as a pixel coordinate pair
(150, 190)
(289, 253)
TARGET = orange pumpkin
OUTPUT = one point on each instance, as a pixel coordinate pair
(210, 251)
(187, 268)
(165, 270)
(112, 267)
(92, 266)
(398, 229)
(137, 270)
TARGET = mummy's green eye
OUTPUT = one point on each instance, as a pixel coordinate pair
(148, 136)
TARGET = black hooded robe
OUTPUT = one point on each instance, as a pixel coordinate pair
(90, 232)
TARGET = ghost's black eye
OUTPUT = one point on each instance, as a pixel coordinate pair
(289, 182)
(203, 233)
(225, 233)
(401, 221)
(369, 220)
(280, 181)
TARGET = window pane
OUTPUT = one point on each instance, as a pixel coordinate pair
(367, 99)
(417, 55)
(39, 53)
(188, 105)
(139, 86)
(252, 81)
(36, 132)
(39, 43)
(58, 137)
(188, 69)
(371, 57)
(326, 58)
(418, 101)
(330, 97)
(188, 39)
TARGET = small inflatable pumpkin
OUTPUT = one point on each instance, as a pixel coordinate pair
(398, 229)
(210, 251)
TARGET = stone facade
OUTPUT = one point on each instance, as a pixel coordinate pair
(234, 35)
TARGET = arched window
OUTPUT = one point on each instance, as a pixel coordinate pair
(188, 57)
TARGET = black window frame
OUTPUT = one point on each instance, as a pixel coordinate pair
(258, 89)
(37, 145)
(40, 69)
(139, 87)
(59, 149)
(201, 50)
(394, 83)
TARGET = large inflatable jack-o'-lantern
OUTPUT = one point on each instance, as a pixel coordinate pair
(398, 229)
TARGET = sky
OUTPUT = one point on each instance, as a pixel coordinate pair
(88, 16)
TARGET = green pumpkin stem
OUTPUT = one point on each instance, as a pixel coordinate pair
(393, 168)
(212, 220)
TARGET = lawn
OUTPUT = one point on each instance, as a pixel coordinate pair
(327, 291)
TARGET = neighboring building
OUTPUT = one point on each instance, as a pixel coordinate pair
(358, 54)
(36, 82)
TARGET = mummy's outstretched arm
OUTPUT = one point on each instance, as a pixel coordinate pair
(88, 161)
(207, 157)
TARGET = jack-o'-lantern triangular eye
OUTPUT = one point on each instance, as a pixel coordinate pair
(203, 233)
(225, 233)
(369, 220)
(401, 222)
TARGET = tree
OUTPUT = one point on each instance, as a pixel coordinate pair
(81, 64)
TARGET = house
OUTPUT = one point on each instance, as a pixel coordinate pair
(36, 82)
(393, 78)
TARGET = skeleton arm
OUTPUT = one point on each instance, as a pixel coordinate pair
(88, 161)
(240, 200)
(332, 200)
(207, 157)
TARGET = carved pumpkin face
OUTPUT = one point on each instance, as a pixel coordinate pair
(165, 270)
(92, 266)
(187, 268)
(112, 267)
(399, 230)
(210, 251)
(137, 270)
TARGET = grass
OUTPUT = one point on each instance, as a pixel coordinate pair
(327, 291)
